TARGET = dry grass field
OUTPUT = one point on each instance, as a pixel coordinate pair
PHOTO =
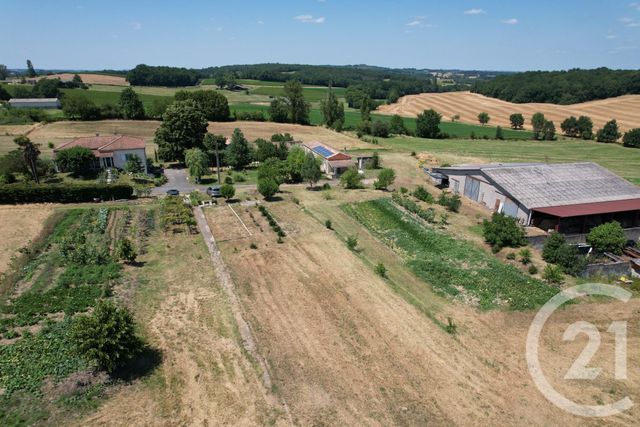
(19, 224)
(625, 109)
(92, 79)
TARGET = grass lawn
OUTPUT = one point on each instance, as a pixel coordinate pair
(621, 160)
(246, 176)
(451, 266)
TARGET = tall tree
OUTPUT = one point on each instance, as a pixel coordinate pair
(585, 127)
(197, 162)
(311, 170)
(4, 72)
(4, 95)
(632, 138)
(609, 133)
(279, 111)
(215, 146)
(332, 111)
(483, 118)
(298, 106)
(131, 106)
(396, 125)
(76, 105)
(366, 106)
(569, 126)
(238, 153)
(548, 131)
(537, 122)
(214, 105)
(30, 152)
(31, 72)
(517, 121)
(428, 124)
(183, 126)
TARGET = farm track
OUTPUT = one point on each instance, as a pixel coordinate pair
(625, 109)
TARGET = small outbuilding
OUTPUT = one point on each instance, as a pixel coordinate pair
(334, 162)
(571, 198)
(46, 103)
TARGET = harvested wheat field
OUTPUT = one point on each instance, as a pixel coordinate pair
(345, 348)
(92, 79)
(625, 109)
(20, 224)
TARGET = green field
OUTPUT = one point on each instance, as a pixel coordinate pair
(102, 97)
(621, 160)
(311, 94)
(451, 266)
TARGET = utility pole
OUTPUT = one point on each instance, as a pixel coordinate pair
(217, 162)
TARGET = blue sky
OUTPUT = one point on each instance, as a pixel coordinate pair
(482, 34)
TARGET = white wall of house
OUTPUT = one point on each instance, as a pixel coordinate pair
(120, 157)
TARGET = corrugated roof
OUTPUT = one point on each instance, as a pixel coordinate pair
(12, 100)
(591, 208)
(543, 185)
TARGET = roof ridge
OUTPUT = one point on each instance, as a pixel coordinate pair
(117, 138)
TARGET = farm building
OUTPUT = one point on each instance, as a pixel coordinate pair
(34, 103)
(571, 198)
(334, 162)
(111, 151)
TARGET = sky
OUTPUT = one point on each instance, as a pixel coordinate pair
(450, 34)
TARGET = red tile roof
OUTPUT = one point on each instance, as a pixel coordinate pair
(595, 208)
(105, 144)
(339, 156)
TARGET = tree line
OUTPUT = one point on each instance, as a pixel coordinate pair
(561, 87)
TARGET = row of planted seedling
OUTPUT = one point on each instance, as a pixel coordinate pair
(272, 222)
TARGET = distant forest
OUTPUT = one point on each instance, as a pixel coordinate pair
(561, 87)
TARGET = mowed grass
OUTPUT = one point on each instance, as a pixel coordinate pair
(621, 160)
(311, 94)
(451, 266)
(102, 97)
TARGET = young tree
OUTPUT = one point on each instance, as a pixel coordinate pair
(183, 126)
(517, 121)
(4, 72)
(503, 231)
(385, 179)
(298, 107)
(30, 153)
(265, 150)
(609, 133)
(483, 118)
(238, 153)
(295, 162)
(608, 237)
(585, 127)
(332, 111)
(311, 170)
(267, 187)
(77, 160)
(106, 337)
(213, 105)
(537, 122)
(197, 162)
(227, 191)
(279, 111)
(134, 164)
(499, 133)
(428, 124)
(351, 179)
(396, 125)
(548, 131)
(632, 138)
(125, 251)
(273, 168)
(31, 72)
(130, 105)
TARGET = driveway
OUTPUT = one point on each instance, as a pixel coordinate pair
(178, 179)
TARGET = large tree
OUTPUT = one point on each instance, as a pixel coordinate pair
(632, 138)
(197, 162)
(183, 127)
(77, 160)
(4, 95)
(295, 161)
(298, 106)
(30, 153)
(46, 88)
(76, 105)
(332, 111)
(585, 127)
(31, 72)
(396, 125)
(428, 124)
(213, 104)
(548, 131)
(279, 111)
(484, 118)
(238, 152)
(130, 105)
(4, 72)
(537, 122)
(311, 170)
(265, 150)
(517, 121)
(569, 126)
(609, 133)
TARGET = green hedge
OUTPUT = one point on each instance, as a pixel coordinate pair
(62, 193)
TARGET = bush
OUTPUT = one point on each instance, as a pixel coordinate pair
(532, 269)
(551, 246)
(632, 138)
(351, 179)
(106, 337)
(421, 193)
(503, 231)
(77, 160)
(328, 224)
(125, 251)
(385, 179)
(553, 274)
(525, 256)
(62, 193)
(227, 191)
(228, 180)
(511, 256)
(380, 270)
(450, 201)
(607, 237)
(352, 242)
(268, 187)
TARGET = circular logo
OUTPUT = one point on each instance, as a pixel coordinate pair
(579, 369)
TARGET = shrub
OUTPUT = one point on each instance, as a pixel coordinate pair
(351, 179)
(125, 251)
(421, 193)
(268, 187)
(632, 138)
(352, 242)
(532, 269)
(253, 246)
(328, 224)
(227, 191)
(450, 328)
(385, 179)
(77, 160)
(553, 274)
(450, 201)
(568, 257)
(62, 193)
(380, 270)
(551, 246)
(511, 255)
(228, 180)
(607, 237)
(503, 231)
(106, 337)
(326, 186)
(525, 256)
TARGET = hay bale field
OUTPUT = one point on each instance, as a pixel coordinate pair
(92, 79)
(21, 224)
(625, 109)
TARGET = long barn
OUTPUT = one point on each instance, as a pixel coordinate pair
(570, 198)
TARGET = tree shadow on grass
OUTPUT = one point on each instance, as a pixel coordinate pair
(274, 199)
(141, 366)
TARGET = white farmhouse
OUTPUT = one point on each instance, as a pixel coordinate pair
(111, 151)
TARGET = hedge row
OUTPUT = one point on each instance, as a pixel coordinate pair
(62, 193)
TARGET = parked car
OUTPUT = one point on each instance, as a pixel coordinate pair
(173, 192)
(214, 191)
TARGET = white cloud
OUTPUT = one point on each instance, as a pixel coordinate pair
(474, 12)
(626, 20)
(635, 6)
(511, 21)
(260, 22)
(219, 28)
(610, 36)
(136, 26)
(629, 22)
(413, 23)
(309, 19)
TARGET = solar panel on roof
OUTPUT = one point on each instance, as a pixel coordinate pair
(323, 151)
